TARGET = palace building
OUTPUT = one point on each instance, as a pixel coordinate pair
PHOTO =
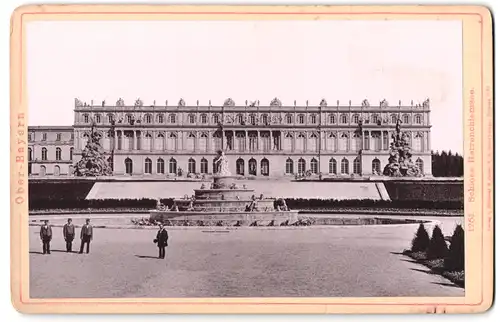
(259, 139)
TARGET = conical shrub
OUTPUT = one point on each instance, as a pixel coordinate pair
(437, 246)
(455, 261)
(420, 242)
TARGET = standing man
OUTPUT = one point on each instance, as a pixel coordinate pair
(161, 240)
(46, 236)
(69, 235)
(86, 236)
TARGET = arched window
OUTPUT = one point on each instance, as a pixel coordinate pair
(43, 171)
(332, 166)
(203, 142)
(313, 142)
(191, 139)
(343, 119)
(160, 118)
(58, 154)
(30, 154)
(301, 118)
(98, 118)
(394, 118)
(148, 118)
(253, 120)
(172, 142)
(191, 118)
(204, 166)
(148, 140)
(85, 118)
(160, 142)
(418, 119)
(264, 119)
(203, 118)
(289, 166)
(128, 166)
(301, 142)
(172, 166)
(302, 166)
(148, 166)
(288, 119)
(191, 166)
(44, 154)
(252, 167)
(172, 119)
(420, 164)
(406, 119)
(57, 170)
(314, 166)
(344, 140)
(215, 118)
(376, 166)
(331, 142)
(357, 166)
(264, 167)
(312, 118)
(356, 142)
(288, 142)
(418, 144)
(344, 166)
(160, 166)
(240, 167)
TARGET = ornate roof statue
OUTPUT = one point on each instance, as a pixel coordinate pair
(78, 103)
(181, 103)
(138, 102)
(384, 103)
(252, 104)
(120, 102)
(93, 162)
(426, 103)
(323, 103)
(229, 102)
(365, 103)
(275, 102)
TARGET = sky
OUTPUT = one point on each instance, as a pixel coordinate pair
(247, 60)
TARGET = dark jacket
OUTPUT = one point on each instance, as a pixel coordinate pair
(46, 232)
(162, 238)
(69, 231)
(87, 231)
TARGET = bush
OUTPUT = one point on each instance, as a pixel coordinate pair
(420, 242)
(455, 261)
(437, 245)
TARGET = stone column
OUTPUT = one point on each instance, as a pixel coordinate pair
(153, 141)
(336, 147)
(247, 142)
(134, 138)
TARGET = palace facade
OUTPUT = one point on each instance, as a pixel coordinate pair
(258, 139)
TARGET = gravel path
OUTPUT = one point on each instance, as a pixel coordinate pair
(345, 261)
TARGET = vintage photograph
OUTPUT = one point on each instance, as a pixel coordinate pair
(259, 157)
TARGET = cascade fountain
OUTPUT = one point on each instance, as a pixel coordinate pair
(225, 203)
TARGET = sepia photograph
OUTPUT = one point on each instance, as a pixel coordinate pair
(261, 157)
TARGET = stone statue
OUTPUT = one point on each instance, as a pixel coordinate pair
(93, 162)
(400, 163)
(222, 165)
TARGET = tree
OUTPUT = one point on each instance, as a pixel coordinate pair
(437, 246)
(455, 261)
(420, 242)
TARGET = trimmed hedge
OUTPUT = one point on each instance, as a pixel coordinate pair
(370, 203)
(437, 246)
(455, 261)
(420, 242)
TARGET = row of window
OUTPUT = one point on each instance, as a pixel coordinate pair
(253, 119)
(264, 166)
(31, 136)
(45, 154)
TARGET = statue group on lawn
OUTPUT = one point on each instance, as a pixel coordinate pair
(400, 163)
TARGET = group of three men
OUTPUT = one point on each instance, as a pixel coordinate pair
(86, 235)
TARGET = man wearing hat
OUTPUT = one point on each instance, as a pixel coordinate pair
(46, 236)
(86, 235)
(69, 235)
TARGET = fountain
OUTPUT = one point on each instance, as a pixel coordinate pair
(224, 203)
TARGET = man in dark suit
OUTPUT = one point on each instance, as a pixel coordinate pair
(86, 235)
(161, 241)
(69, 235)
(46, 236)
